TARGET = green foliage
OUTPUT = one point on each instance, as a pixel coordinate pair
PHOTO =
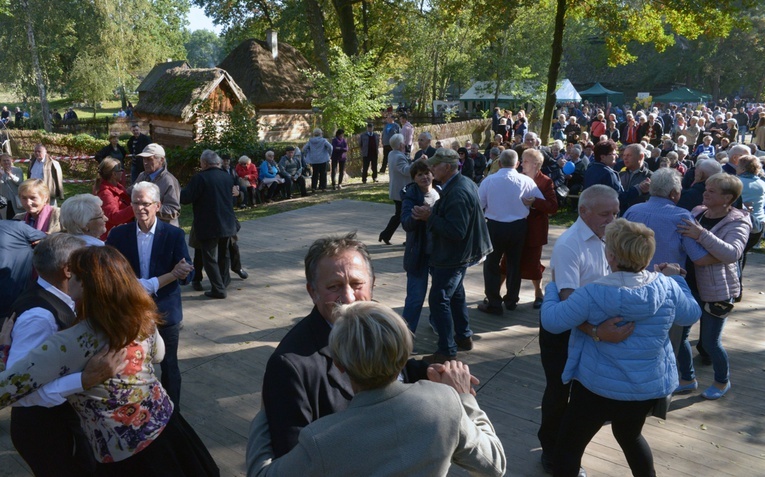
(87, 86)
(235, 131)
(203, 49)
(355, 90)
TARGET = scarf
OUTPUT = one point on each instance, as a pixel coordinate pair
(43, 219)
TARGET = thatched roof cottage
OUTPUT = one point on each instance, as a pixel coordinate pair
(171, 104)
(270, 76)
(159, 69)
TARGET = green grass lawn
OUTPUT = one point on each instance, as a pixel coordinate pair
(354, 191)
(108, 109)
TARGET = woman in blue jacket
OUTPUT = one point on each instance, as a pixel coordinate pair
(416, 256)
(619, 382)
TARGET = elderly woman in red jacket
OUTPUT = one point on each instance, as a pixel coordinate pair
(248, 174)
(115, 198)
(538, 222)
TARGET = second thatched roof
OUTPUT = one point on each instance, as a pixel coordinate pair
(267, 82)
(177, 93)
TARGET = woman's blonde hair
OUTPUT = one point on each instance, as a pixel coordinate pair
(632, 244)
(371, 342)
(728, 184)
(35, 185)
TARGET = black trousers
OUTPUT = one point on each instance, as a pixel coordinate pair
(233, 250)
(586, 414)
(319, 177)
(51, 441)
(553, 350)
(288, 182)
(216, 262)
(386, 151)
(369, 161)
(335, 166)
(507, 239)
(393, 223)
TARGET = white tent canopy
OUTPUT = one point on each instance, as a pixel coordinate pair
(567, 93)
(522, 90)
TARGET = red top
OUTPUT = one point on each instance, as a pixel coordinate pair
(249, 172)
(116, 205)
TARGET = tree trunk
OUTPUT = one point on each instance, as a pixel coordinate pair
(316, 29)
(365, 23)
(344, 10)
(552, 73)
(36, 67)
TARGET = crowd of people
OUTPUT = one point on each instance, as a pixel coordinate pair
(80, 267)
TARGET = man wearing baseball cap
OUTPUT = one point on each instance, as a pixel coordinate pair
(459, 239)
(155, 170)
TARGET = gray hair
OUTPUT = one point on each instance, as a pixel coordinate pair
(664, 182)
(426, 134)
(317, 132)
(708, 167)
(508, 158)
(52, 254)
(333, 246)
(494, 151)
(244, 160)
(396, 140)
(210, 157)
(739, 150)
(595, 194)
(636, 148)
(269, 154)
(149, 187)
(532, 135)
(371, 342)
(78, 210)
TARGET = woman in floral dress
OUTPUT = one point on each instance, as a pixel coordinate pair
(129, 420)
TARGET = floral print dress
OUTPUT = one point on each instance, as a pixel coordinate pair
(121, 416)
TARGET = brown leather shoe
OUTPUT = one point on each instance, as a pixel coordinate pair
(465, 344)
(437, 358)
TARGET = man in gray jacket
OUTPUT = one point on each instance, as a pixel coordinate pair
(369, 142)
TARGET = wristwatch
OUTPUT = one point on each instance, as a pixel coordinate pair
(595, 333)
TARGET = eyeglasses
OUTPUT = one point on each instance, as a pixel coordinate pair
(143, 205)
(117, 169)
(100, 217)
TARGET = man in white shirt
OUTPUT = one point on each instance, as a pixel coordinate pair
(505, 198)
(45, 429)
(578, 258)
(48, 170)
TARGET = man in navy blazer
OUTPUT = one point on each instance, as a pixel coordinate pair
(154, 248)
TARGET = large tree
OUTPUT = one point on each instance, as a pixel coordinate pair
(642, 21)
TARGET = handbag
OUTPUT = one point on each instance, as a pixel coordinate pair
(562, 191)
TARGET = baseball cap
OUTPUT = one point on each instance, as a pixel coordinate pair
(442, 154)
(153, 149)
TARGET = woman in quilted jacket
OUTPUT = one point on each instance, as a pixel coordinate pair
(723, 231)
(619, 382)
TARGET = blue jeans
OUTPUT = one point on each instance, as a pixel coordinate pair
(711, 340)
(742, 130)
(448, 309)
(416, 289)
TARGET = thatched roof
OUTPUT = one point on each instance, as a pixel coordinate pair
(270, 83)
(178, 91)
(159, 69)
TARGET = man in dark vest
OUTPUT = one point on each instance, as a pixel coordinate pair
(369, 143)
(135, 146)
(44, 428)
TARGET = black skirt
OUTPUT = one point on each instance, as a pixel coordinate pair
(177, 452)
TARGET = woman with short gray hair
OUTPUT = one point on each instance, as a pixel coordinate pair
(399, 165)
(317, 152)
(82, 217)
(371, 343)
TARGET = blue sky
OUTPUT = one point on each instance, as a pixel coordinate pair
(199, 21)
